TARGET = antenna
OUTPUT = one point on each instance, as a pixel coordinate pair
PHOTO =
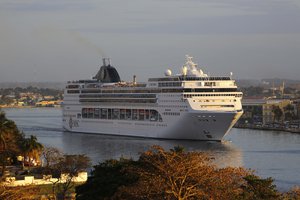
(104, 62)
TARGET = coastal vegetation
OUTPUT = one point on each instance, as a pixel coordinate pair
(176, 174)
(14, 145)
(25, 154)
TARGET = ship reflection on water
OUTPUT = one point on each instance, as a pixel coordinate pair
(103, 147)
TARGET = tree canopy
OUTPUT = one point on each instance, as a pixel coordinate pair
(14, 143)
(174, 174)
(10, 138)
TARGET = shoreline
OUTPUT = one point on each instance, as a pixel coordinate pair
(17, 106)
(269, 129)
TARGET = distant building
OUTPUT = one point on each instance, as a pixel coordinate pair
(48, 103)
(21, 103)
(297, 108)
(49, 98)
(268, 113)
(260, 110)
(253, 110)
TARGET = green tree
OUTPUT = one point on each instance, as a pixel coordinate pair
(9, 138)
(70, 166)
(181, 175)
(259, 189)
(31, 149)
(289, 112)
(106, 178)
(277, 112)
(51, 156)
(160, 174)
(175, 174)
(13, 143)
(293, 194)
(6, 100)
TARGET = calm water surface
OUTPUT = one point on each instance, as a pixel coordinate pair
(269, 153)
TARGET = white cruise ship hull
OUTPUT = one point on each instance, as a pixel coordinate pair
(189, 126)
(190, 105)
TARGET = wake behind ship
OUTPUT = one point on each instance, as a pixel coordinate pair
(190, 105)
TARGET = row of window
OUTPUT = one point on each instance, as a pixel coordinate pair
(121, 114)
(170, 90)
(210, 95)
(172, 106)
(171, 101)
(117, 96)
(163, 79)
(119, 100)
(73, 91)
(169, 84)
(211, 78)
(214, 100)
(217, 106)
(171, 113)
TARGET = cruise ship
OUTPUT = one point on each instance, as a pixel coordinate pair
(190, 105)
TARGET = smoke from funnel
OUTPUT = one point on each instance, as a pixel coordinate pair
(67, 36)
(87, 43)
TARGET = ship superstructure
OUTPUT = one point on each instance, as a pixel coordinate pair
(190, 105)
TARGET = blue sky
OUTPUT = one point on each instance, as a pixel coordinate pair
(61, 40)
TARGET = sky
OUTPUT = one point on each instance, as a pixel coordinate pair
(62, 40)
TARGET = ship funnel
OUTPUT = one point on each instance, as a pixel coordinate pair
(107, 73)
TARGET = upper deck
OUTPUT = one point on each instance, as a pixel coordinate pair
(190, 80)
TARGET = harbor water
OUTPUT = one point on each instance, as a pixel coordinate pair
(270, 153)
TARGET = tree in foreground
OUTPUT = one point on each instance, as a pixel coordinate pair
(9, 141)
(181, 175)
(71, 165)
(51, 156)
(14, 143)
(174, 174)
(31, 150)
(259, 189)
(293, 194)
(106, 178)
